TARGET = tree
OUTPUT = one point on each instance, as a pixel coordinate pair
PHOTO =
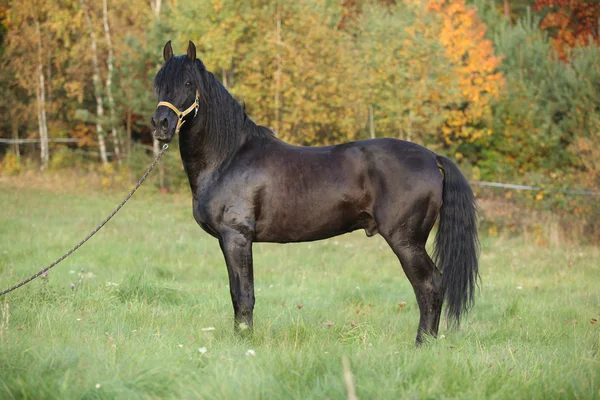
(286, 61)
(136, 43)
(109, 78)
(41, 99)
(474, 65)
(430, 72)
(571, 23)
(405, 72)
(97, 85)
(25, 54)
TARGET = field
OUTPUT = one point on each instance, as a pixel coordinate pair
(149, 315)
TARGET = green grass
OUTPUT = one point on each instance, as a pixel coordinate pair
(530, 335)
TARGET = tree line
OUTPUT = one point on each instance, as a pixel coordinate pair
(510, 91)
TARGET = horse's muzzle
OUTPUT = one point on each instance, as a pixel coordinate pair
(161, 129)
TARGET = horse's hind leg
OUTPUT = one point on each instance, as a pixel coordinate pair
(425, 278)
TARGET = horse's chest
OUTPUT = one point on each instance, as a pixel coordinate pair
(202, 218)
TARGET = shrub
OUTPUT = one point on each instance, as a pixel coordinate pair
(11, 164)
(65, 158)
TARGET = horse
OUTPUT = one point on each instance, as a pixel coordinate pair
(249, 186)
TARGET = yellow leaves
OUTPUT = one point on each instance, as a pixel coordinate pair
(217, 5)
(75, 89)
(300, 80)
(539, 196)
(85, 132)
(11, 164)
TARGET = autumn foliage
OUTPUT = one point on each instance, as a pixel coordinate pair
(455, 76)
(475, 66)
(572, 23)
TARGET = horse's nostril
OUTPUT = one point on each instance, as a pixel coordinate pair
(164, 124)
(152, 123)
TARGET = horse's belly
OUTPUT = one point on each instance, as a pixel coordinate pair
(312, 220)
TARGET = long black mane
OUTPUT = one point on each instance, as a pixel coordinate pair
(225, 123)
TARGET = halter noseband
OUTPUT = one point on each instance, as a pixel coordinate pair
(181, 114)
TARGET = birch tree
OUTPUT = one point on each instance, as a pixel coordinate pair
(41, 101)
(279, 63)
(156, 5)
(97, 84)
(109, 75)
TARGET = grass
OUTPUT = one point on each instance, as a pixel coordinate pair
(149, 285)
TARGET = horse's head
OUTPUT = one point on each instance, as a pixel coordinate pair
(177, 87)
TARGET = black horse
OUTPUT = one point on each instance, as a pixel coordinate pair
(248, 186)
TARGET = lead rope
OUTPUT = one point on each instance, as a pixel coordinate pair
(78, 245)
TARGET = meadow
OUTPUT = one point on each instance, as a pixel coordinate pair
(143, 312)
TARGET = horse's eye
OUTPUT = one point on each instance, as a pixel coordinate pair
(188, 84)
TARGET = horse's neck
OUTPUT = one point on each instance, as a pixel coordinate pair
(201, 168)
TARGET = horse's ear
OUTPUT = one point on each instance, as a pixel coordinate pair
(168, 51)
(191, 51)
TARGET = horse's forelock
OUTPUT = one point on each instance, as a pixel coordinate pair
(171, 76)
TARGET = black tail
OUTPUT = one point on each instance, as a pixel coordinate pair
(456, 242)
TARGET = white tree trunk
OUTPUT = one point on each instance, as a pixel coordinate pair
(156, 5)
(278, 72)
(15, 134)
(41, 104)
(111, 100)
(97, 86)
(371, 122)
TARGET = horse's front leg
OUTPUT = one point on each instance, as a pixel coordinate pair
(237, 249)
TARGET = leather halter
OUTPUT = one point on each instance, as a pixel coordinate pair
(182, 114)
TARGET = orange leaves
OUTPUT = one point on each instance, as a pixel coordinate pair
(85, 132)
(405, 78)
(474, 65)
(350, 13)
(575, 23)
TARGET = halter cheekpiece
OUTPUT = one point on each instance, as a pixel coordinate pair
(182, 114)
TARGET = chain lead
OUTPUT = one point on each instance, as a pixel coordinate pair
(78, 245)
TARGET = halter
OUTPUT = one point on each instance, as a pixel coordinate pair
(181, 114)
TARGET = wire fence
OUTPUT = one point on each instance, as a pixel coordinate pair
(511, 186)
(68, 140)
(535, 188)
(50, 140)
